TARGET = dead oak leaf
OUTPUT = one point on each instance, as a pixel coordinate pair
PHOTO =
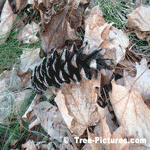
(77, 104)
(131, 112)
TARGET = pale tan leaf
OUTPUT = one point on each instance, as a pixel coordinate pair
(93, 36)
(5, 74)
(28, 33)
(101, 34)
(77, 104)
(6, 11)
(94, 145)
(76, 3)
(34, 123)
(131, 112)
(93, 17)
(120, 40)
(20, 4)
(141, 81)
(90, 12)
(7, 21)
(139, 22)
(29, 145)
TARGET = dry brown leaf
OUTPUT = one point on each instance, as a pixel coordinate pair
(131, 112)
(141, 81)
(93, 18)
(101, 34)
(77, 2)
(7, 21)
(51, 120)
(120, 40)
(102, 132)
(90, 12)
(20, 4)
(77, 104)
(57, 32)
(28, 33)
(94, 145)
(29, 145)
(139, 22)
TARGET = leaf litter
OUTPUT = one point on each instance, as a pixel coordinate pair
(76, 111)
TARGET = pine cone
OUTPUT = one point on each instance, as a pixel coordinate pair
(68, 65)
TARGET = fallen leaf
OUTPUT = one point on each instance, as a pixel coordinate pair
(102, 132)
(5, 74)
(28, 33)
(141, 81)
(93, 17)
(1, 5)
(18, 81)
(94, 145)
(139, 22)
(131, 112)
(10, 101)
(51, 120)
(6, 100)
(29, 59)
(101, 34)
(30, 112)
(76, 3)
(20, 4)
(29, 145)
(77, 104)
(20, 97)
(7, 21)
(57, 31)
